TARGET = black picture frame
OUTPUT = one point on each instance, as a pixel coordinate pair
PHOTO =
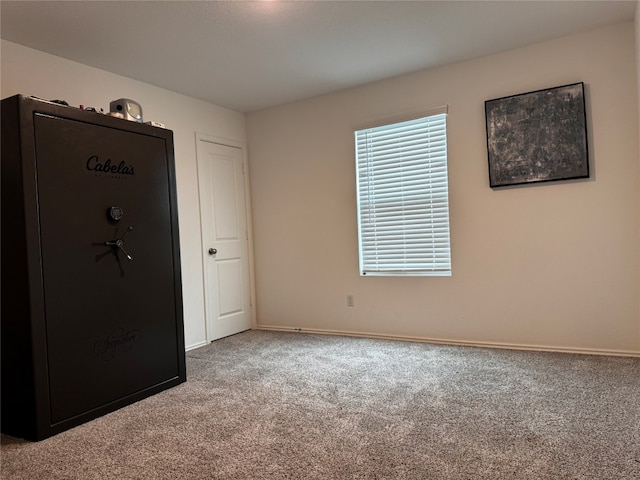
(538, 136)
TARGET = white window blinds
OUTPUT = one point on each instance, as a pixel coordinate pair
(403, 201)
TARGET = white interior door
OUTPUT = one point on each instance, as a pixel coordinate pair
(224, 238)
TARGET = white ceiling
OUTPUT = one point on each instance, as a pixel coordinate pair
(249, 55)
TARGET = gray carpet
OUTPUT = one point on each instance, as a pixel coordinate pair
(267, 405)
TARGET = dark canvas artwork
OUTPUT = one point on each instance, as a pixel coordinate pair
(537, 137)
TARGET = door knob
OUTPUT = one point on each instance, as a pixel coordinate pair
(213, 251)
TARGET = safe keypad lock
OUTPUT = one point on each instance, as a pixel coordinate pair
(115, 214)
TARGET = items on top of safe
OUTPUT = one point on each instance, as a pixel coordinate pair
(124, 108)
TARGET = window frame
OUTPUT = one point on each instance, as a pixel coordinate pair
(378, 168)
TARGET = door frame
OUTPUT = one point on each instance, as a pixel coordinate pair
(247, 197)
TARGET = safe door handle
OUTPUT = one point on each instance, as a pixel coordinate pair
(118, 244)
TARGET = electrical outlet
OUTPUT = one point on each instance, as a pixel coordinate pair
(350, 301)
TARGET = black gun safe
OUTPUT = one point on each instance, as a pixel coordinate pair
(91, 289)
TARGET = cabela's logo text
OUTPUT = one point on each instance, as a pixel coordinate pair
(95, 165)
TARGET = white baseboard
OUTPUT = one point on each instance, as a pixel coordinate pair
(195, 345)
(465, 343)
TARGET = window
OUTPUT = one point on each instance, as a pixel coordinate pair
(403, 200)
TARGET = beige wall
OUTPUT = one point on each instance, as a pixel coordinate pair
(549, 266)
(637, 26)
(637, 22)
(32, 72)
(553, 265)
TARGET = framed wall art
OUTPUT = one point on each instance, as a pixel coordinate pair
(537, 136)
